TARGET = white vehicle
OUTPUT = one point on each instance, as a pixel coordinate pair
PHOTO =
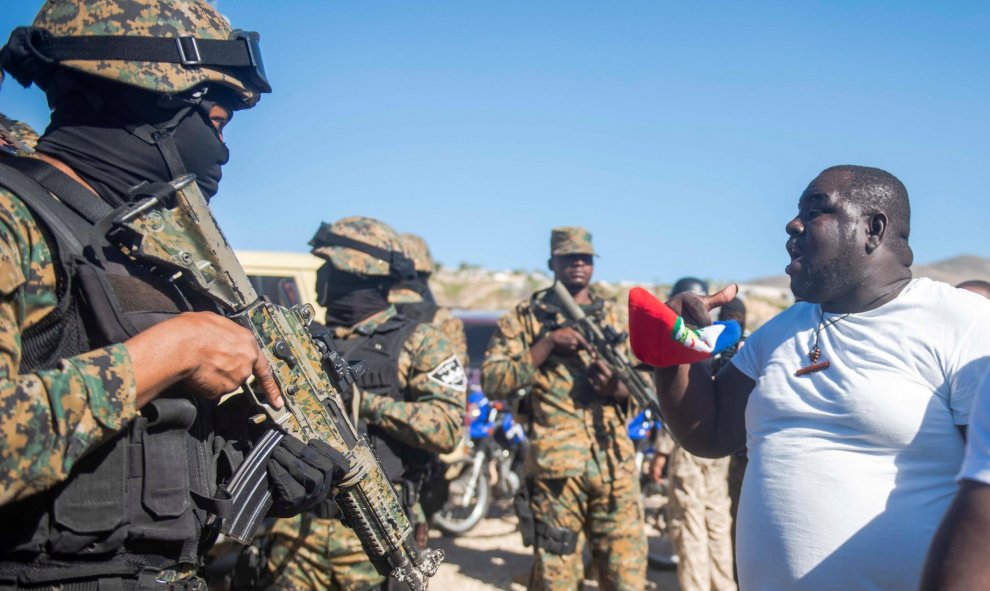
(287, 278)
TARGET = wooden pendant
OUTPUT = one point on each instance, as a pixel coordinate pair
(812, 368)
(816, 365)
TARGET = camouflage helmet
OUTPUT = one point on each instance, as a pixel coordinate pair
(171, 46)
(362, 246)
(416, 249)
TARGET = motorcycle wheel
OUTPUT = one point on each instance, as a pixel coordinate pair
(455, 519)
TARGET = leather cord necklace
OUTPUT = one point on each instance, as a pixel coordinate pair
(815, 353)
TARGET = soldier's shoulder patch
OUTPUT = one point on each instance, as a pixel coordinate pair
(450, 373)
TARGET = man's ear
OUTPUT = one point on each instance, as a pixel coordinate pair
(550, 265)
(876, 231)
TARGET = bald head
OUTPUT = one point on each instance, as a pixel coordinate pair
(876, 191)
(976, 286)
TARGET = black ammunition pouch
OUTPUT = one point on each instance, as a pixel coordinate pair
(421, 312)
(139, 501)
(555, 540)
(147, 580)
(435, 490)
(524, 513)
(251, 568)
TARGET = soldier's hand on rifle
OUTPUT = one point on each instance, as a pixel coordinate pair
(563, 341)
(209, 354)
(302, 475)
(606, 382)
(568, 341)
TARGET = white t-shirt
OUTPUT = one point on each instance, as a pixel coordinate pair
(851, 468)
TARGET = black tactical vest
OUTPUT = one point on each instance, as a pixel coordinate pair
(135, 501)
(421, 312)
(380, 353)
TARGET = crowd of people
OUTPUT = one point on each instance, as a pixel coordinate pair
(845, 444)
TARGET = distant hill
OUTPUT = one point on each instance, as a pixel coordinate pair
(952, 271)
(473, 287)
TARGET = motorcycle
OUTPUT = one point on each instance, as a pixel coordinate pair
(488, 466)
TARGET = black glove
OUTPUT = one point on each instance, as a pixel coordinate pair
(301, 475)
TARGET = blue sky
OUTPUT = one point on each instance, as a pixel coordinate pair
(681, 134)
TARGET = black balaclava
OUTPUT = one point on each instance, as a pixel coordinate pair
(420, 284)
(107, 132)
(350, 298)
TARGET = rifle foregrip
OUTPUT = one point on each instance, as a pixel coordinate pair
(371, 508)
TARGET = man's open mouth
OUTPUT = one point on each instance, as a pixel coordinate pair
(796, 256)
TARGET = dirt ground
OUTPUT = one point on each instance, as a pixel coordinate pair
(491, 556)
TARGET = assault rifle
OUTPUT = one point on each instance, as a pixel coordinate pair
(604, 340)
(172, 230)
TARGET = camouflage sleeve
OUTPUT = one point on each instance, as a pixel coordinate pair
(507, 367)
(51, 418)
(453, 329)
(432, 376)
(617, 316)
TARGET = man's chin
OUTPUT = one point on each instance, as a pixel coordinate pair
(802, 289)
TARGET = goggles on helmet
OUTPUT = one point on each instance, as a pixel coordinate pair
(240, 54)
(400, 267)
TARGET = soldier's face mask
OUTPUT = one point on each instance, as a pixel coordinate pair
(350, 298)
(117, 137)
(200, 147)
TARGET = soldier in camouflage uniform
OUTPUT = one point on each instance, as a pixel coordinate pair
(582, 463)
(410, 401)
(108, 373)
(414, 298)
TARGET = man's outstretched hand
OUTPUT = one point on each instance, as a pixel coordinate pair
(696, 309)
(680, 331)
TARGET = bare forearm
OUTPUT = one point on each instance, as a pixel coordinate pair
(158, 362)
(957, 557)
(540, 351)
(704, 415)
(688, 407)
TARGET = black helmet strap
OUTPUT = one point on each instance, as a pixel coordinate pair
(241, 53)
(400, 266)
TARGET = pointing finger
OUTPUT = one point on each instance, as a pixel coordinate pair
(722, 297)
(266, 377)
(582, 343)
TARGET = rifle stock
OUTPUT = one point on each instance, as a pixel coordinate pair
(604, 342)
(172, 229)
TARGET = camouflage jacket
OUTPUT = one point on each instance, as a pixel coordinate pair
(16, 136)
(450, 325)
(51, 418)
(574, 430)
(434, 417)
